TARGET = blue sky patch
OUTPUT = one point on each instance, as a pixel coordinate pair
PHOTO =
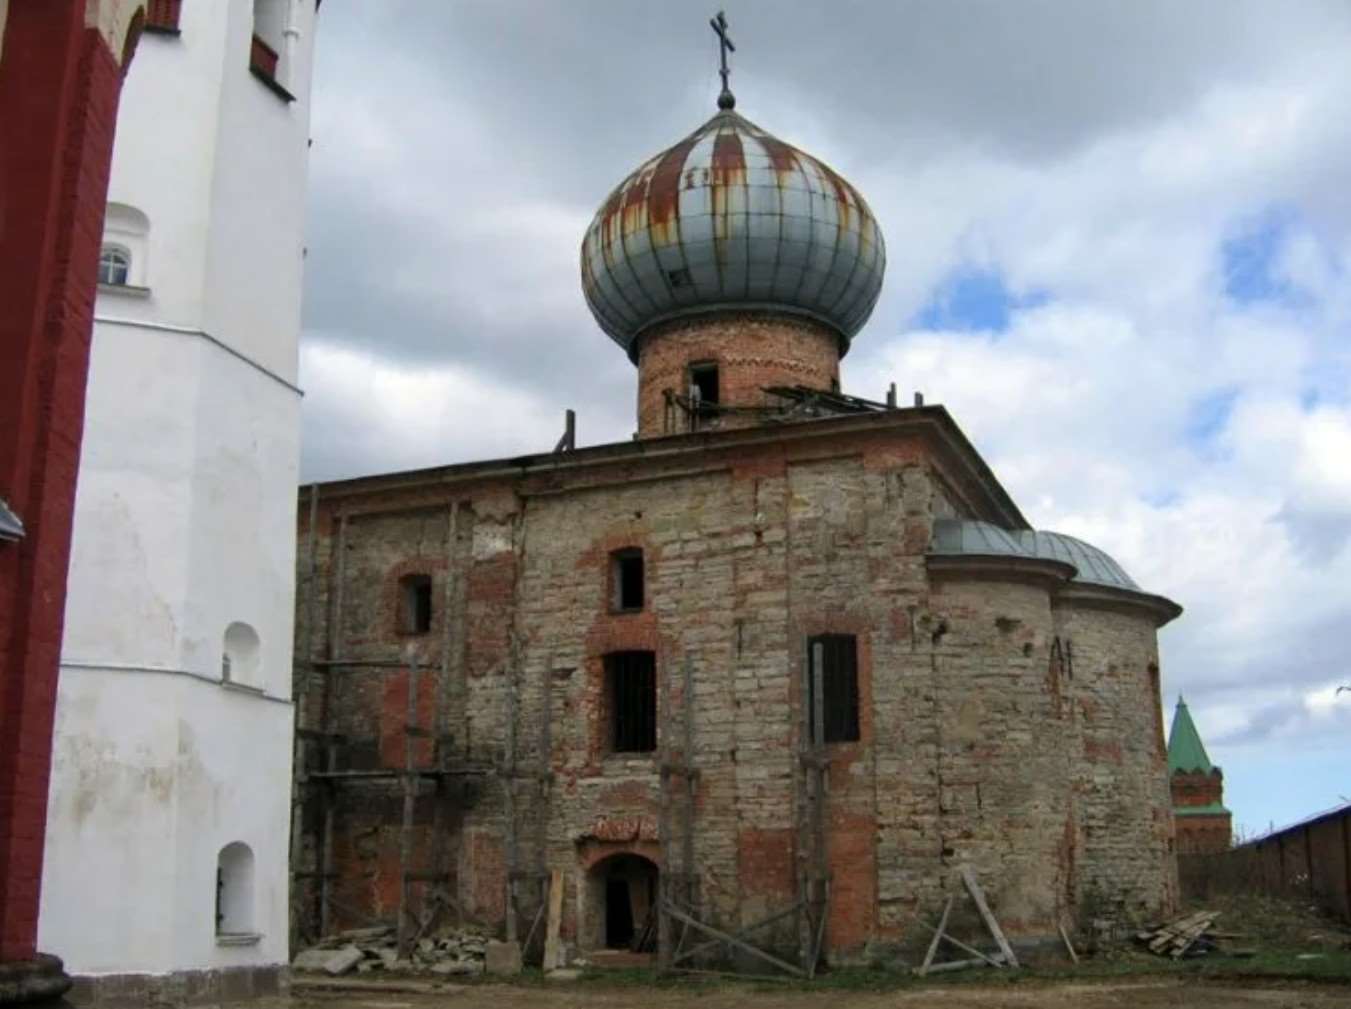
(1249, 259)
(974, 298)
(1209, 415)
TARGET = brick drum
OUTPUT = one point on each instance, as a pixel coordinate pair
(1008, 719)
(752, 350)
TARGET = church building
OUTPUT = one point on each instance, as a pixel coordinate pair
(789, 657)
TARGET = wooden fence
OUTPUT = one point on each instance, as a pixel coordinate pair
(1311, 859)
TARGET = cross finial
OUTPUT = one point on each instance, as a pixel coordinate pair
(725, 100)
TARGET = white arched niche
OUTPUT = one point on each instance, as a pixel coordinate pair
(234, 891)
(240, 655)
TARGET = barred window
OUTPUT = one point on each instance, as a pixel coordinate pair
(839, 687)
(631, 683)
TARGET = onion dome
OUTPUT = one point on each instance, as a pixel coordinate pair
(731, 218)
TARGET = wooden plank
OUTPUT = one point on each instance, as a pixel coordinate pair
(1069, 946)
(553, 950)
(732, 940)
(943, 968)
(404, 942)
(687, 854)
(978, 895)
(993, 961)
(664, 888)
(509, 794)
(740, 933)
(938, 937)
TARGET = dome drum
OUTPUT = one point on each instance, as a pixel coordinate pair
(731, 218)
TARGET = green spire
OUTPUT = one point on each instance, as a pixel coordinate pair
(1186, 752)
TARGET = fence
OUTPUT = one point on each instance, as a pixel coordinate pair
(1310, 860)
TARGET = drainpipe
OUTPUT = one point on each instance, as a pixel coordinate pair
(290, 39)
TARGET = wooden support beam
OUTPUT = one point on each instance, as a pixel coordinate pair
(409, 793)
(938, 936)
(978, 895)
(553, 951)
(733, 941)
(740, 933)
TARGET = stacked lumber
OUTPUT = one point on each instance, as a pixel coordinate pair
(1186, 936)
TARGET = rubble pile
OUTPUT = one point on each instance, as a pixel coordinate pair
(449, 951)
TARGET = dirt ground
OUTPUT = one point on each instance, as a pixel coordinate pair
(1133, 994)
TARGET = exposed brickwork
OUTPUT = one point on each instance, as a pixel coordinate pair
(752, 351)
(1004, 722)
(59, 86)
(1200, 834)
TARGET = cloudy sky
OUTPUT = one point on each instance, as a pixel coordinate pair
(1119, 243)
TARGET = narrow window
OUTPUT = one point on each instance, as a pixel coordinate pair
(114, 265)
(415, 607)
(626, 572)
(839, 687)
(704, 382)
(162, 16)
(631, 680)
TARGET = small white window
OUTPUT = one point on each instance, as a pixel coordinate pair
(126, 246)
(114, 266)
(240, 654)
(234, 890)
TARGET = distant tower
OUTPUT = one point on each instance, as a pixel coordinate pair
(1203, 823)
(166, 852)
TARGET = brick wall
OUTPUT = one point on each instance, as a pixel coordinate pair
(978, 742)
(752, 351)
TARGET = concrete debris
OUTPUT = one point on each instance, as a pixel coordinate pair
(503, 958)
(458, 952)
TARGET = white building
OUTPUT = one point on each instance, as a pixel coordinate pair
(167, 842)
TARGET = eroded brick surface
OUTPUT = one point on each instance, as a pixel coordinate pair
(1003, 723)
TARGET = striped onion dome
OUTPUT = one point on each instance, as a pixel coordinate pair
(731, 218)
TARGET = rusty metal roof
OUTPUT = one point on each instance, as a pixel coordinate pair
(968, 536)
(731, 217)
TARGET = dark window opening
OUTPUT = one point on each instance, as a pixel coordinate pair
(704, 382)
(839, 687)
(162, 16)
(627, 572)
(416, 605)
(632, 684)
(680, 277)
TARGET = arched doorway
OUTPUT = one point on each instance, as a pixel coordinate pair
(623, 903)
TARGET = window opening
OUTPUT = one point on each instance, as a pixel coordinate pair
(114, 265)
(680, 277)
(416, 604)
(704, 383)
(627, 573)
(162, 16)
(839, 687)
(632, 682)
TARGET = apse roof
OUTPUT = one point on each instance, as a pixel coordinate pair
(1092, 566)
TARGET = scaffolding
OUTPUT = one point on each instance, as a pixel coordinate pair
(320, 787)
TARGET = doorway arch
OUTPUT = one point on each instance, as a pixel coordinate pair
(621, 901)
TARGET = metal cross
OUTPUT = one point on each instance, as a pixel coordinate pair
(725, 100)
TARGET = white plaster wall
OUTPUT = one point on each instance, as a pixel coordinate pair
(184, 523)
(256, 260)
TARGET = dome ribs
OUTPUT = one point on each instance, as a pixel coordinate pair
(663, 192)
